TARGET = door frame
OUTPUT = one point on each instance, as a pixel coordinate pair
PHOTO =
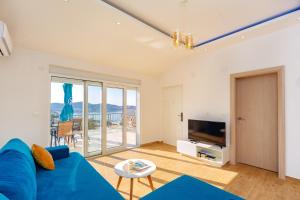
(123, 146)
(279, 71)
(124, 101)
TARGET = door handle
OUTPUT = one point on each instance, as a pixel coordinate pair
(240, 118)
(181, 116)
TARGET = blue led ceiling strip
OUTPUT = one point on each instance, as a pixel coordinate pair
(249, 26)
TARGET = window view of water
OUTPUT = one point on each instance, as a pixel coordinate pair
(114, 117)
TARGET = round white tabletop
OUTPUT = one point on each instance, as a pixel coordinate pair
(123, 170)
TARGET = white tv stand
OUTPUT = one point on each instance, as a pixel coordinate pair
(193, 149)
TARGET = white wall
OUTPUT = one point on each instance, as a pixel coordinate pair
(205, 80)
(25, 96)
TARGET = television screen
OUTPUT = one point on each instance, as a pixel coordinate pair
(207, 131)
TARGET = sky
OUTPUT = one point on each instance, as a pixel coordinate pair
(114, 95)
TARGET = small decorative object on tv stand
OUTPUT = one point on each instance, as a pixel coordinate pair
(212, 154)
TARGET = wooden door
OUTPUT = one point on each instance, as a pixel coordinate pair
(172, 108)
(257, 118)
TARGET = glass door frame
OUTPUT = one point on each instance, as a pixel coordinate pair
(104, 85)
(74, 81)
(86, 84)
(124, 138)
(124, 127)
(138, 114)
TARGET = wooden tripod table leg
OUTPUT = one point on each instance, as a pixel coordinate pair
(150, 182)
(131, 188)
(119, 182)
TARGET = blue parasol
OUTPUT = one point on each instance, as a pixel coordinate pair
(67, 111)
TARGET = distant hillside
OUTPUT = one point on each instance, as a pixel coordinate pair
(93, 108)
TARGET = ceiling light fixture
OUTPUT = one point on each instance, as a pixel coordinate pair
(118, 23)
(177, 39)
(189, 41)
(183, 39)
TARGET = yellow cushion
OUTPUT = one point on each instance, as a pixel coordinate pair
(42, 157)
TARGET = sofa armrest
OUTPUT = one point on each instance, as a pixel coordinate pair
(59, 152)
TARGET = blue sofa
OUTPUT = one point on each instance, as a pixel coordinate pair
(74, 178)
(189, 188)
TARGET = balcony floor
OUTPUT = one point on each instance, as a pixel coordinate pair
(114, 139)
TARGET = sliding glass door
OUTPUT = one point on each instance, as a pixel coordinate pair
(122, 115)
(66, 114)
(132, 118)
(114, 117)
(92, 117)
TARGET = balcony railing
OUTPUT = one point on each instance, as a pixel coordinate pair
(96, 118)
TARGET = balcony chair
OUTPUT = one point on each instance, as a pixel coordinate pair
(65, 131)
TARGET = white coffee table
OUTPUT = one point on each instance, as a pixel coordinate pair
(122, 170)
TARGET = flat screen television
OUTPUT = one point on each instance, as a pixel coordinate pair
(207, 131)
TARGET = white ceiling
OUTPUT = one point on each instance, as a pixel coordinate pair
(88, 29)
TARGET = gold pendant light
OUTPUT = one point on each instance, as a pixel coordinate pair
(176, 38)
(189, 41)
(179, 37)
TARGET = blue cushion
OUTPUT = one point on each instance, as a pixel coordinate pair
(17, 178)
(20, 146)
(59, 152)
(189, 188)
(17, 161)
(74, 178)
